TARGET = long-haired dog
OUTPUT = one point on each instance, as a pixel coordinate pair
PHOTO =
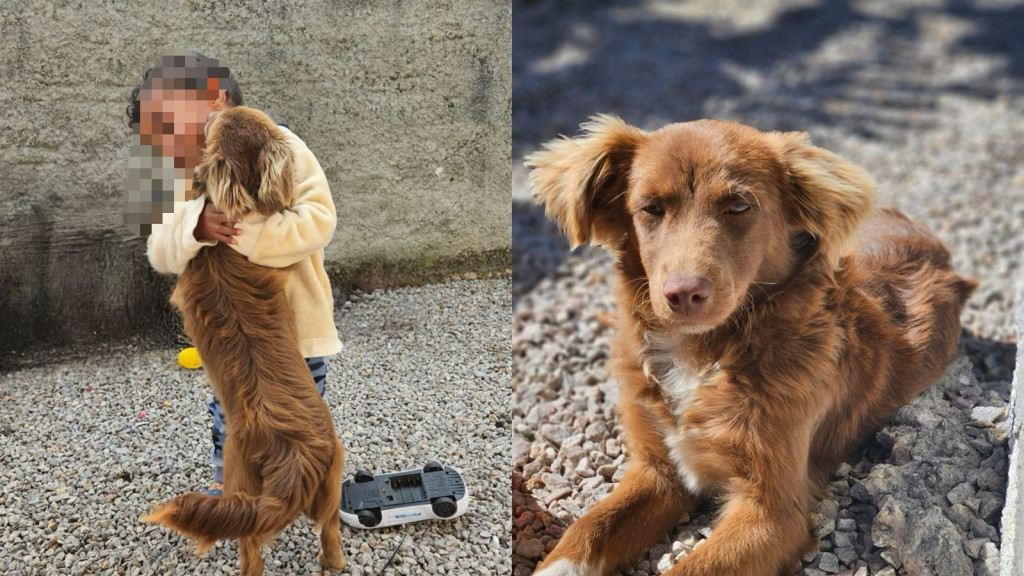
(770, 318)
(282, 456)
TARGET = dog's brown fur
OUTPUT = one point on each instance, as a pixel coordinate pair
(282, 456)
(812, 335)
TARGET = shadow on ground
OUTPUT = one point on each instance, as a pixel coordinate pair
(538, 248)
(874, 69)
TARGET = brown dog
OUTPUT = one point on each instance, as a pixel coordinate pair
(760, 337)
(282, 456)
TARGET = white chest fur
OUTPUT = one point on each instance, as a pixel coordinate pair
(679, 381)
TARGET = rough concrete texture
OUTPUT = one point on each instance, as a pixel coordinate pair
(1012, 558)
(406, 105)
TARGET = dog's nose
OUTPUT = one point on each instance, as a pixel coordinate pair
(686, 292)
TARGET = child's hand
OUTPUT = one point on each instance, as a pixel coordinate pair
(214, 225)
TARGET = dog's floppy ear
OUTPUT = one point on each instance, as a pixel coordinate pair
(830, 197)
(582, 181)
(275, 168)
(222, 182)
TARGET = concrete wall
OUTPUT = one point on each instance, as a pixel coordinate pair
(406, 103)
(1012, 525)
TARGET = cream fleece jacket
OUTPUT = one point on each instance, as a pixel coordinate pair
(296, 236)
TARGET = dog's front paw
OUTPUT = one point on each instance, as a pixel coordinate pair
(566, 567)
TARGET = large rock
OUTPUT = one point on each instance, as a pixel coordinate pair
(936, 457)
(928, 543)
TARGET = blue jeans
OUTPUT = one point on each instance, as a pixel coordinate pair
(317, 367)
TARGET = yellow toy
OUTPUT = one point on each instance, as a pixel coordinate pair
(189, 358)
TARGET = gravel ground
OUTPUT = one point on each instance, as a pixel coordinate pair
(90, 445)
(928, 98)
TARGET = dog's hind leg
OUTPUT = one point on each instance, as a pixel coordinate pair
(331, 554)
(243, 477)
(325, 513)
(250, 562)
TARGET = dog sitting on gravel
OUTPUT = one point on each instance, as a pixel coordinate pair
(770, 319)
(282, 455)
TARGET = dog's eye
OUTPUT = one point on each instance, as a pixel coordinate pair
(739, 208)
(654, 210)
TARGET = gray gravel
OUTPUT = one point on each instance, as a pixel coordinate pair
(89, 445)
(927, 98)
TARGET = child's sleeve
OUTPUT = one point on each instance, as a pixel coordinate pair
(293, 234)
(172, 243)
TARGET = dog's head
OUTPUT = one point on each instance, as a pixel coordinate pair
(714, 211)
(246, 165)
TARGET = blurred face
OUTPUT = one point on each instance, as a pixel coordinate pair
(173, 121)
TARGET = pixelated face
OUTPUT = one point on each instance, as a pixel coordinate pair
(173, 120)
(170, 142)
(173, 109)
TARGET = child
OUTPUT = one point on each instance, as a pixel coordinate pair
(168, 111)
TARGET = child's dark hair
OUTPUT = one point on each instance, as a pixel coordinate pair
(186, 72)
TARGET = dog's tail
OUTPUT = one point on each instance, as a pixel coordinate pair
(211, 518)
